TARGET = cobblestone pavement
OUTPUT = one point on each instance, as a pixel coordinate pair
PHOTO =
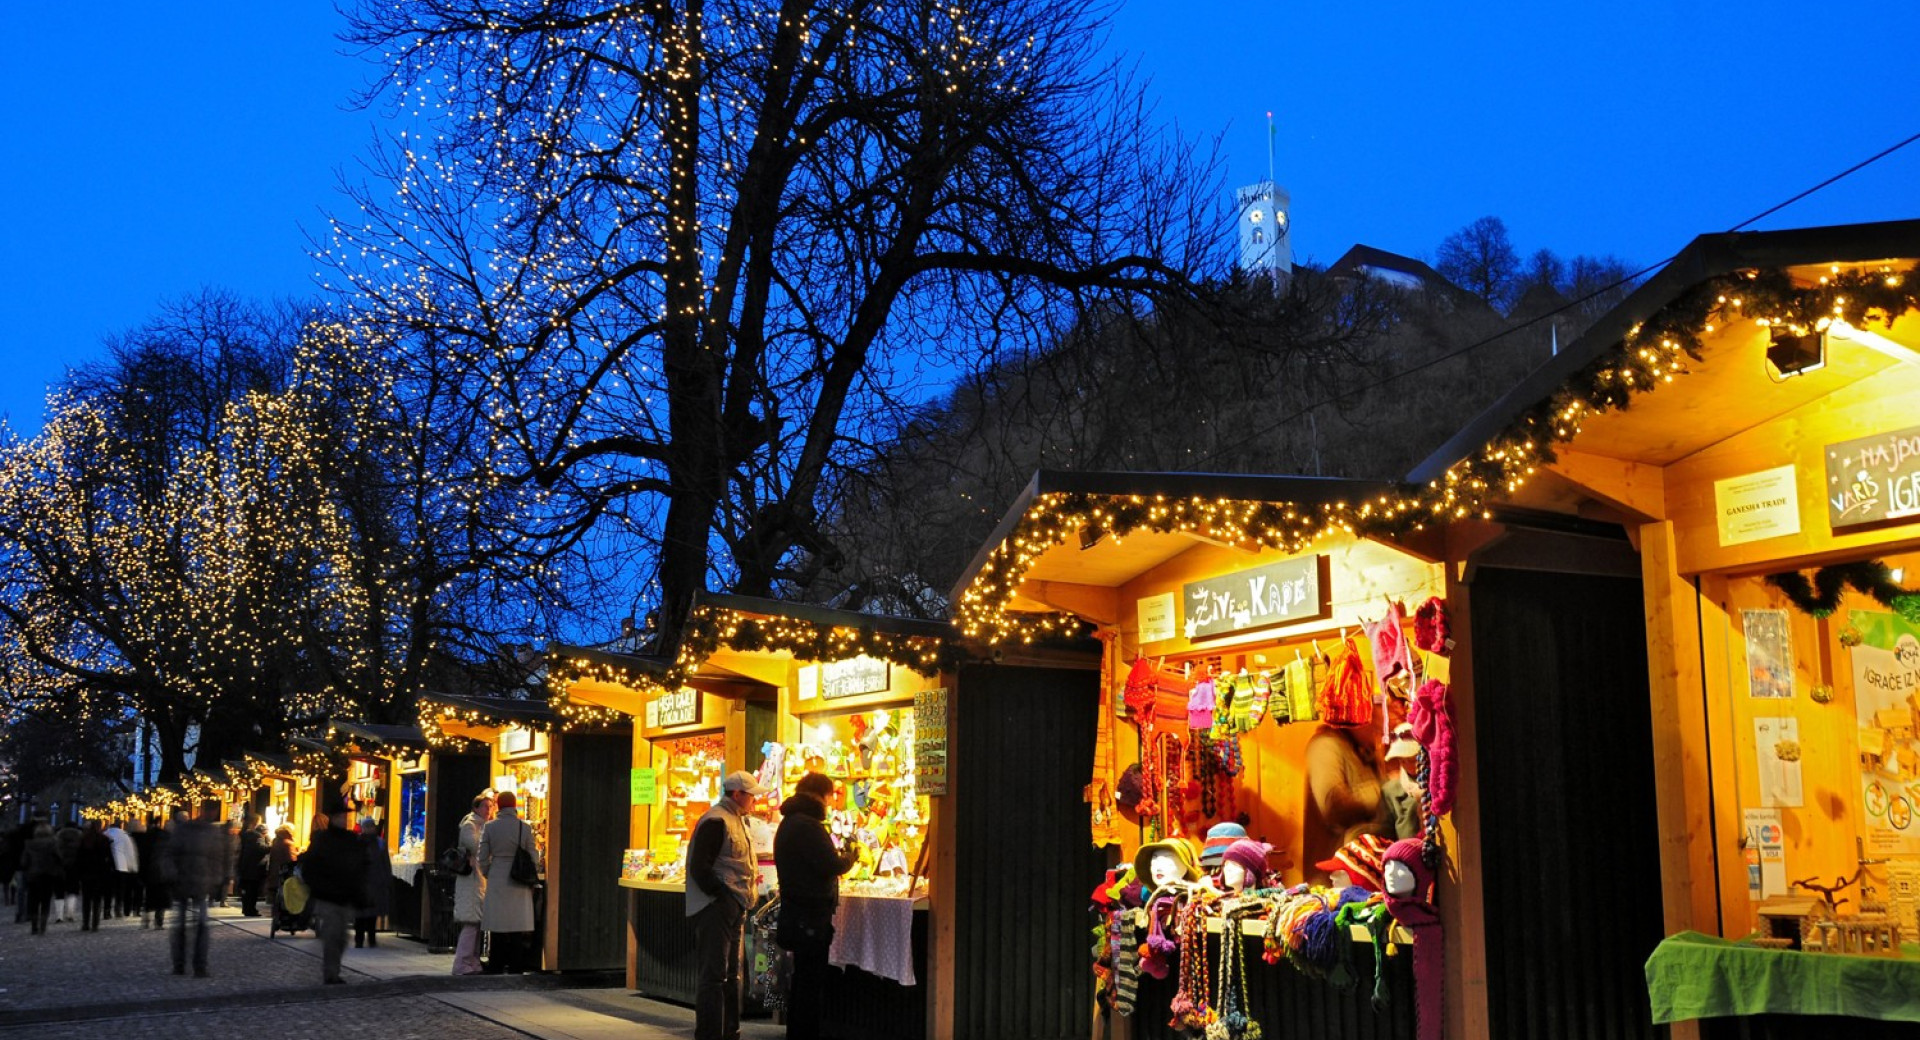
(389, 1018)
(122, 963)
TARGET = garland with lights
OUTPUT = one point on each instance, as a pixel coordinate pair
(1820, 597)
(712, 629)
(1650, 355)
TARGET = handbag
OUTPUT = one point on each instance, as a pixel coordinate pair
(524, 870)
(454, 860)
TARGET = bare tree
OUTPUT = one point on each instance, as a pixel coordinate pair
(688, 254)
(1480, 259)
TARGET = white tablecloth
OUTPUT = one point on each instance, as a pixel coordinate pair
(874, 934)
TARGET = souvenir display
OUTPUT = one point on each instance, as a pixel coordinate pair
(871, 755)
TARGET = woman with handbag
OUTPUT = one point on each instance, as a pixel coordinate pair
(470, 887)
(506, 911)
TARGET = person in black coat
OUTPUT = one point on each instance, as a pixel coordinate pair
(250, 867)
(93, 865)
(810, 869)
(334, 868)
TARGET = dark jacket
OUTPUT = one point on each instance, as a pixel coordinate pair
(196, 853)
(41, 863)
(803, 853)
(335, 867)
(94, 860)
(252, 864)
(66, 841)
(379, 898)
(13, 848)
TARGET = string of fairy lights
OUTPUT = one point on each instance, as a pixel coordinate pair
(1651, 355)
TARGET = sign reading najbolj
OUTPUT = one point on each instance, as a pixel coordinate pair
(1870, 479)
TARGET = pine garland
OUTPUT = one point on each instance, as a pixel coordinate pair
(1820, 597)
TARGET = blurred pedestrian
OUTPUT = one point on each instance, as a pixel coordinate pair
(66, 841)
(126, 871)
(94, 870)
(196, 854)
(280, 857)
(40, 863)
(335, 870)
(155, 861)
(470, 889)
(507, 909)
(379, 895)
(250, 867)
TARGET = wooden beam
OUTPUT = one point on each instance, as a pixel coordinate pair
(1682, 784)
(1094, 603)
(1463, 911)
(772, 669)
(943, 832)
(1635, 488)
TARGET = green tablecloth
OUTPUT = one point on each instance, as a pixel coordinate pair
(1692, 975)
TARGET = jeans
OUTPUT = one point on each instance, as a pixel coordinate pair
(330, 923)
(190, 912)
(718, 931)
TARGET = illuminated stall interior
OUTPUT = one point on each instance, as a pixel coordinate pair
(388, 778)
(1767, 477)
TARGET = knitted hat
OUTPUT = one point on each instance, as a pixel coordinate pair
(1250, 854)
(1430, 631)
(1407, 852)
(1362, 859)
(1219, 836)
(1182, 851)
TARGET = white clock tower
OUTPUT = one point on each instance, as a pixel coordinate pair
(1262, 216)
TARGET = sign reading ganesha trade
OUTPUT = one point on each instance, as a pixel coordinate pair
(1873, 478)
(1277, 594)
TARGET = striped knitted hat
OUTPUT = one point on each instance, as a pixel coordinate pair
(1362, 859)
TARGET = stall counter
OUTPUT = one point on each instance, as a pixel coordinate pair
(1693, 975)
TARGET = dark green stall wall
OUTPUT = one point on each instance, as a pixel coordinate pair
(591, 911)
(1024, 862)
(1569, 840)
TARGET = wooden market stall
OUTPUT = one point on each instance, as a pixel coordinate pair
(777, 689)
(568, 773)
(1253, 590)
(387, 779)
(1766, 484)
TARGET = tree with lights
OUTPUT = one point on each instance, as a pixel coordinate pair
(689, 256)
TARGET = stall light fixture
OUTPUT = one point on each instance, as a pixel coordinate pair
(1794, 354)
(1872, 341)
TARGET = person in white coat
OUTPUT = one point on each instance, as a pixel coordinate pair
(126, 869)
(506, 911)
(471, 888)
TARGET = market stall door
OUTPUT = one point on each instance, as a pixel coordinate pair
(1022, 753)
(591, 906)
(1569, 839)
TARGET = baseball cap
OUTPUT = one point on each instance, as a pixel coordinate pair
(741, 780)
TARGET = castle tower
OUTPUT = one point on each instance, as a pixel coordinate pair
(1263, 218)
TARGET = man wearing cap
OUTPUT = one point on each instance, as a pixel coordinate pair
(720, 889)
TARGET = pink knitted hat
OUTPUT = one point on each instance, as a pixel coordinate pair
(1250, 854)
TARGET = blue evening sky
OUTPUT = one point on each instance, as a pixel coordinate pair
(154, 149)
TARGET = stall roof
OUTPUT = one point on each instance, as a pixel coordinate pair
(763, 607)
(1145, 550)
(407, 737)
(512, 708)
(279, 763)
(1707, 257)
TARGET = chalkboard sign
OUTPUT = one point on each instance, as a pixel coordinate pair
(853, 677)
(680, 708)
(1277, 594)
(1870, 479)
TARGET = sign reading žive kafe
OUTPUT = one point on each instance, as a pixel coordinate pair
(1875, 478)
(1277, 594)
(852, 677)
(679, 708)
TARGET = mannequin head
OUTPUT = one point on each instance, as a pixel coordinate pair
(1165, 868)
(1162, 863)
(1400, 880)
(1244, 864)
(1234, 875)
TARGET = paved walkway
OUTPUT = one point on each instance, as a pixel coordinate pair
(74, 985)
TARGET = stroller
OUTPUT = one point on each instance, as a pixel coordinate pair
(291, 909)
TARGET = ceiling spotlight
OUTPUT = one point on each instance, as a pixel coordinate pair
(1793, 354)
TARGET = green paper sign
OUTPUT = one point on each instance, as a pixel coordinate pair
(644, 788)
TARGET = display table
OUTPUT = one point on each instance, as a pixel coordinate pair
(1692, 975)
(875, 934)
